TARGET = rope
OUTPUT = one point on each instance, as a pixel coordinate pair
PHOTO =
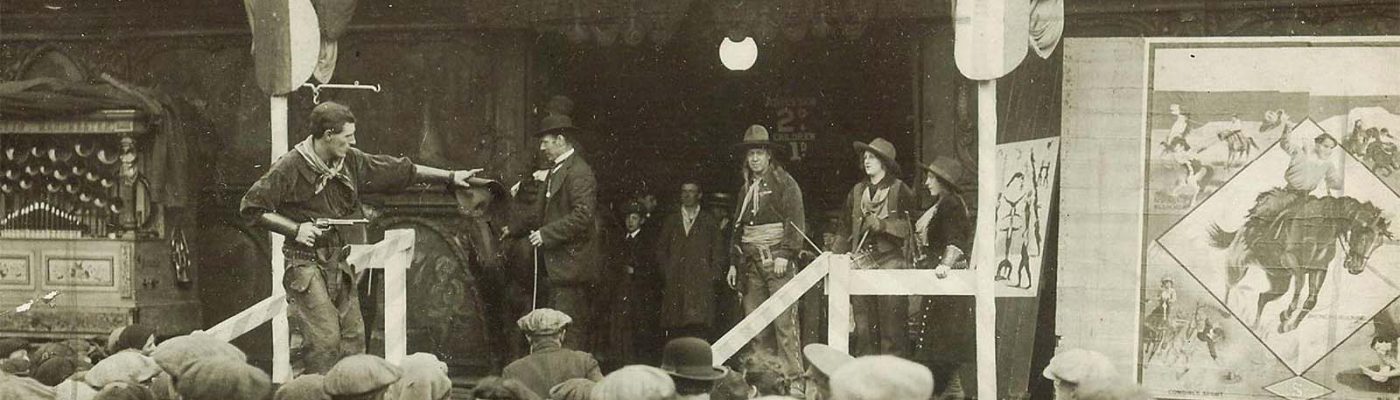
(535, 291)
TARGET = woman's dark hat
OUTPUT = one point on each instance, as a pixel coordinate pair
(946, 168)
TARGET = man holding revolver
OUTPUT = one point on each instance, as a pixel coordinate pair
(308, 190)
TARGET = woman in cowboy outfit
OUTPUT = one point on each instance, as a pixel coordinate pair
(879, 223)
(942, 328)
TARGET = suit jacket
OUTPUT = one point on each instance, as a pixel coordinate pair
(567, 223)
(548, 365)
(690, 264)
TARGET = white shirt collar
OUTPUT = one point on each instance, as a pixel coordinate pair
(633, 234)
(562, 157)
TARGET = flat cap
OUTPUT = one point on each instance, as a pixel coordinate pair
(178, 353)
(360, 374)
(223, 379)
(573, 389)
(11, 345)
(424, 377)
(827, 359)
(882, 377)
(1080, 366)
(635, 382)
(127, 366)
(544, 321)
(305, 387)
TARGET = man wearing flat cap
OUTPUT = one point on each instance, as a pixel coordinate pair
(876, 229)
(549, 362)
(360, 376)
(768, 227)
(323, 177)
(882, 377)
(564, 231)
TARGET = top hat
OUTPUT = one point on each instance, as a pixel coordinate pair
(947, 168)
(690, 358)
(757, 136)
(883, 149)
(555, 124)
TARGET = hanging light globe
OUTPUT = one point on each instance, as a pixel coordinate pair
(738, 56)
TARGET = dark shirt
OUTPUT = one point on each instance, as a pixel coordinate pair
(289, 187)
(778, 200)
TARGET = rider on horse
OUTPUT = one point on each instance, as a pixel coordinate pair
(1309, 169)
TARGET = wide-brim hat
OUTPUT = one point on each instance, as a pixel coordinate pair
(691, 358)
(555, 124)
(947, 168)
(757, 136)
(880, 148)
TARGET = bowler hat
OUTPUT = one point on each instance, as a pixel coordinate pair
(880, 148)
(757, 136)
(947, 168)
(555, 124)
(691, 358)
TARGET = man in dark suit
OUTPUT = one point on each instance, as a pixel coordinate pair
(565, 231)
(690, 253)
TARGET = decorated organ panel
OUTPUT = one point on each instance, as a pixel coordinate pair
(77, 218)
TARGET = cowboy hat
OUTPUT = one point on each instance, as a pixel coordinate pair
(690, 358)
(880, 148)
(757, 136)
(947, 168)
(555, 124)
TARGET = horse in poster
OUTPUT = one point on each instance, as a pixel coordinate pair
(1297, 244)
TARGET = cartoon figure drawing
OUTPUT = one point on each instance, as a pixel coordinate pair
(1016, 187)
(1293, 232)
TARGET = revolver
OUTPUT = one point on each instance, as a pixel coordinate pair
(329, 222)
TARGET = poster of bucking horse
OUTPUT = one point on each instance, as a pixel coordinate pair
(1270, 258)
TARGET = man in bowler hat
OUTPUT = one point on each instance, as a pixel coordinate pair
(689, 362)
(564, 231)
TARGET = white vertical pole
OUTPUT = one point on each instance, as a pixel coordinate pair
(983, 245)
(281, 346)
(396, 296)
(838, 309)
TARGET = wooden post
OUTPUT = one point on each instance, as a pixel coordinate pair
(983, 246)
(838, 333)
(281, 340)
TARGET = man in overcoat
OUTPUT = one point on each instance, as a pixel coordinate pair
(690, 253)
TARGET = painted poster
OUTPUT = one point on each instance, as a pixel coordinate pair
(1027, 172)
(1269, 256)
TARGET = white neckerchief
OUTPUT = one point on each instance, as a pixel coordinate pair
(688, 217)
(921, 226)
